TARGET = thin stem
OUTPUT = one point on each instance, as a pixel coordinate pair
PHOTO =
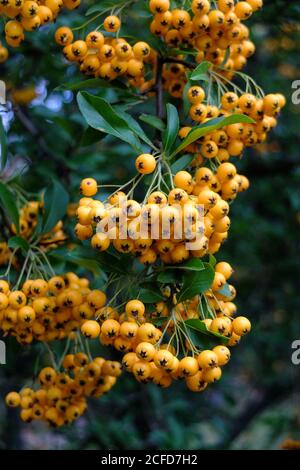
(46, 260)
(222, 77)
(152, 185)
(171, 317)
(131, 192)
(123, 186)
(87, 345)
(170, 174)
(6, 274)
(64, 353)
(51, 354)
(28, 256)
(82, 26)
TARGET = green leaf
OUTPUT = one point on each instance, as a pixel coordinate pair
(9, 205)
(160, 321)
(56, 200)
(212, 260)
(199, 326)
(167, 277)
(195, 283)
(19, 242)
(199, 340)
(75, 257)
(183, 50)
(182, 162)
(225, 291)
(153, 121)
(171, 132)
(210, 126)
(206, 312)
(212, 90)
(3, 145)
(89, 258)
(91, 136)
(135, 127)
(226, 57)
(83, 85)
(193, 264)
(200, 72)
(149, 296)
(38, 229)
(100, 115)
(186, 103)
(171, 275)
(99, 7)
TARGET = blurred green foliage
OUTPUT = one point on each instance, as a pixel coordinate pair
(257, 403)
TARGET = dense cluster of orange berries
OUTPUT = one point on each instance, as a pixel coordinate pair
(61, 397)
(155, 341)
(195, 210)
(150, 361)
(133, 333)
(177, 217)
(212, 29)
(104, 56)
(162, 366)
(28, 219)
(28, 15)
(48, 310)
(230, 141)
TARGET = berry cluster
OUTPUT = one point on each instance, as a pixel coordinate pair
(28, 15)
(134, 334)
(149, 359)
(178, 217)
(47, 311)
(233, 139)
(212, 29)
(28, 219)
(60, 397)
(184, 214)
(104, 56)
(162, 366)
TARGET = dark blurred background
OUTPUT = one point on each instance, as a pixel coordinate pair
(256, 405)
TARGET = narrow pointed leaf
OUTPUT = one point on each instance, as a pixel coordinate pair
(55, 204)
(171, 132)
(210, 126)
(9, 206)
